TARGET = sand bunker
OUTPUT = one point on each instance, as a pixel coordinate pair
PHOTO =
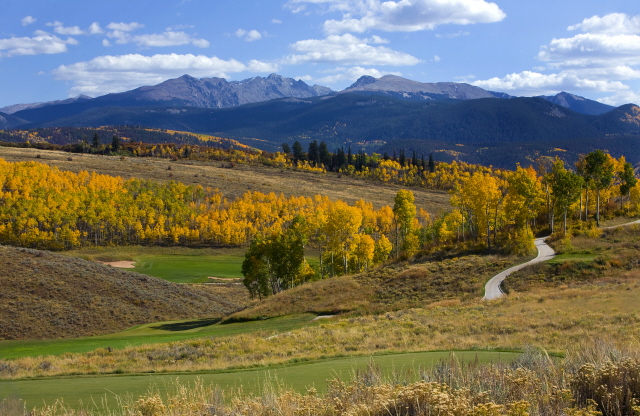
(228, 280)
(120, 264)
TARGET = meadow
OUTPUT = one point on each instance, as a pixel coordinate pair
(300, 377)
(407, 314)
(157, 332)
(232, 182)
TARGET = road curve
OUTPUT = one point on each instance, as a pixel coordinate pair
(492, 288)
(622, 225)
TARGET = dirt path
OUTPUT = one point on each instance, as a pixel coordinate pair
(492, 288)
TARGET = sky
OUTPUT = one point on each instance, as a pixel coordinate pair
(56, 49)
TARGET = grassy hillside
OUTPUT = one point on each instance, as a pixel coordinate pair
(232, 182)
(428, 279)
(46, 295)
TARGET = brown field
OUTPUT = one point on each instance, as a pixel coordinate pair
(394, 286)
(232, 182)
(46, 295)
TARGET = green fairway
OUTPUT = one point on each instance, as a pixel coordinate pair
(562, 258)
(190, 269)
(149, 334)
(88, 390)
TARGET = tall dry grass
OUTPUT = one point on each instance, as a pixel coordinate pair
(594, 379)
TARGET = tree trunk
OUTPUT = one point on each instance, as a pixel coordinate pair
(580, 206)
(598, 208)
(586, 206)
(565, 220)
(488, 229)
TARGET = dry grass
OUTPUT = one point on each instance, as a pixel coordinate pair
(324, 297)
(403, 284)
(612, 254)
(47, 295)
(232, 182)
(557, 320)
(596, 379)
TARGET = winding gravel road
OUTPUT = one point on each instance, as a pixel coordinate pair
(492, 288)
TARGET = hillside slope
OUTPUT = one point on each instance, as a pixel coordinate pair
(47, 295)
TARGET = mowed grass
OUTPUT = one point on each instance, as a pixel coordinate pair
(177, 264)
(83, 391)
(563, 258)
(190, 269)
(157, 332)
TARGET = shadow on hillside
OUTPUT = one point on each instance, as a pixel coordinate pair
(185, 326)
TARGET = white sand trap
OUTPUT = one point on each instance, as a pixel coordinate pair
(120, 264)
(323, 317)
(223, 279)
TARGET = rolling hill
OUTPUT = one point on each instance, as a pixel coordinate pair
(47, 295)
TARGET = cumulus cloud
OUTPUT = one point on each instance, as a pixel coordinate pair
(351, 74)
(61, 29)
(95, 29)
(453, 35)
(26, 21)
(125, 27)
(121, 33)
(592, 49)
(347, 49)
(534, 83)
(622, 97)
(106, 74)
(403, 15)
(249, 36)
(611, 24)
(606, 53)
(41, 43)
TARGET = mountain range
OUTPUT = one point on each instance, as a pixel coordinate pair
(376, 114)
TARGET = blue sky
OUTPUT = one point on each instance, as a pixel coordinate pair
(57, 49)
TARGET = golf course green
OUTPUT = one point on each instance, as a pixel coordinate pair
(100, 390)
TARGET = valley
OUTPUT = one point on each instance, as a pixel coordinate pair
(321, 278)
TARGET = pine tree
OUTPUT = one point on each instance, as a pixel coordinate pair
(432, 163)
(95, 143)
(115, 143)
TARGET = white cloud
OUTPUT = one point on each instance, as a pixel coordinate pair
(588, 48)
(352, 74)
(73, 30)
(59, 28)
(167, 39)
(106, 74)
(611, 24)
(599, 59)
(28, 20)
(276, 21)
(453, 35)
(621, 98)
(121, 33)
(249, 36)
(533, 83)
(106, 43)
(125, 27)
(41, 43)
(95, 29)
(436, 58)
(402, 15)
(347, 50)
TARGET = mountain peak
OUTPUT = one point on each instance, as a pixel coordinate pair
(578, 104)
(362, 81)
(395, 85)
